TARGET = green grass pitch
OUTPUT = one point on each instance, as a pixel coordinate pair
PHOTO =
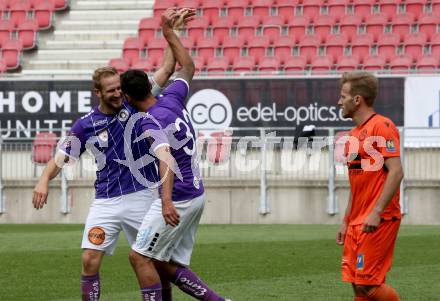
(242, 262)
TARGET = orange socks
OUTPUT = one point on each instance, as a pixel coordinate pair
(383, 293)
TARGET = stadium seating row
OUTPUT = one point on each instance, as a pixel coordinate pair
(239, 8)
(334, 33)
(20, 21)
(294, 63)
(297, 27)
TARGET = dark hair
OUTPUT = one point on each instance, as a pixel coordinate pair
(136, 84)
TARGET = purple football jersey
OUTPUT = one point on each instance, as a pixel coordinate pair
(103, 135)
(168, 123)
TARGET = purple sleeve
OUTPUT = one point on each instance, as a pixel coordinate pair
(179, 90)
(74, 144)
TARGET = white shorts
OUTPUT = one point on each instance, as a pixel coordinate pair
(107, 217)
(163, 242)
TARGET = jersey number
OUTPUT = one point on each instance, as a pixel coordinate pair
(188, 133)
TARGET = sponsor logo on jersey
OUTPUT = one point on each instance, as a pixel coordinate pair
(360, 262)
(123, 115)
(390, 146)
(96, 236)
(100, 122)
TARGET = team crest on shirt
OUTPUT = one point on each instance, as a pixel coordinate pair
(103, 135)
(363, 135)
(390, 146)
(360, 262)
(123, 115)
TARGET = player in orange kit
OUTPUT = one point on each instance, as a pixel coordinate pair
(372, 217)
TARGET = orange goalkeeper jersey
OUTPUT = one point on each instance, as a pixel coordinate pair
(370, 144)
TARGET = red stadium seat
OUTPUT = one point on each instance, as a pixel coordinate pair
(257, 46)
(232, 46)
(295, 63)
(120, 64)
(261, 7)
(206, 48)
(243, 63)
(286, 8)
(283, 47)
(60, 4)
(236, 8)
(132, 49)
(4, 6)
(375, 24)
(321, 63)
(272, 26)
(389, 7)
(11, 51)
(308, 46)
(189, 3)
(297, 26)
(435, 45)
(373, 63)
(349, 25)
(401, 23)
(428, 63)
(414, 44)
(435, 6)
(415, 6)
(147, 29)
(222, 27)
(400, 63)
(143, 64)
(311, 7)
(219, 147)
(347, 63)
(161, 5)
(6, 28)
(199, 63)
(428, 23)
(27, 33)
(335, 45)
(19, 12)
(43, 147)
(43, 14)
(3, 67)
(155, 49)
(361, 44)
(363, 8)
(211, 9)
(323, 25)
(337, 8)
(387, 44)
(218, 64)
(197, 27)
(247, 26)
(269, 63)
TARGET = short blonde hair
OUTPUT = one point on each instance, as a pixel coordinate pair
(362, 83)
(102, 72)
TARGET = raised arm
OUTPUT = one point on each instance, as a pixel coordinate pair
(182, 56)
(163, 74)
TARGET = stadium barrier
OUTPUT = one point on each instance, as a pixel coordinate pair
(259, 157)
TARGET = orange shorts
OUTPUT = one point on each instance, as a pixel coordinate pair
(368, 256)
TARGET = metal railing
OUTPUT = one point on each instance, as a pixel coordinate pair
(263, 156)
